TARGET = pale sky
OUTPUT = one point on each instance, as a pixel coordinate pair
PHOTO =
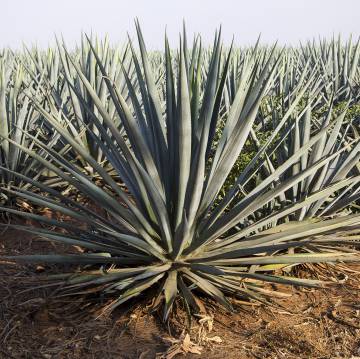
(288, 21)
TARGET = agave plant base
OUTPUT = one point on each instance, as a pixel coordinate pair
(50, 325)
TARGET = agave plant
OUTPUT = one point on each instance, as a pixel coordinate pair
(168, 228)
(289, 136)
(55, 78)
(16, 118)
(338, 64)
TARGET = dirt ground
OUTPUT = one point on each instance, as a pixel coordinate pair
(305, 324)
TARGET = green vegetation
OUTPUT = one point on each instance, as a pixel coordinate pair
(195, 171)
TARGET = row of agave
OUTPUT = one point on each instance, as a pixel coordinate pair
(200, 170)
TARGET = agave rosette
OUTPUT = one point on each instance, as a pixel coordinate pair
(168, 227)
(17, 117)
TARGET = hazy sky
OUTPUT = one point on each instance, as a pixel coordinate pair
(289, 21)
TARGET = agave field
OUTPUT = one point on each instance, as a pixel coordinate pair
(189, 173)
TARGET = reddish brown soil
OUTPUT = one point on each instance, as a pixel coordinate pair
(310, 324)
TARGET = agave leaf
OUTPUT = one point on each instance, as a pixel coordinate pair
(68, 259)
(184, 140)
(290, 259)
(170, 292)
(135, 290)
(207, 287)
